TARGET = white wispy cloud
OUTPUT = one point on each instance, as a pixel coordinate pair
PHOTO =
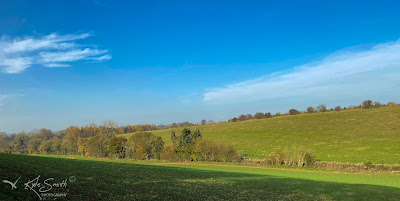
(54, 50)
(15, 65)
(73, 55)
(55, 65)
(315, 77)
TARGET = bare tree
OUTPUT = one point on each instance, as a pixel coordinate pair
(321, 108)
(211, 122)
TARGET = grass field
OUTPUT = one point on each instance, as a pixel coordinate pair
(108, 179)
(347, 136)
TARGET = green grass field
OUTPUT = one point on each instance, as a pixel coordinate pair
(106, 179)
(347, 136)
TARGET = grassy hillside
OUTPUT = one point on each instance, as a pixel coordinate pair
(108, 179)
(346, 136)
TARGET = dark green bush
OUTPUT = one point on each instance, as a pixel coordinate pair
(368, 164)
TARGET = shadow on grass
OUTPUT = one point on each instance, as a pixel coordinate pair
(106, 180)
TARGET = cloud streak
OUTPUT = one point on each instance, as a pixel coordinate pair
(52, 50)
(317, 77)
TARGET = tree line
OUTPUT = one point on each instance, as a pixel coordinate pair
(64, 141)
(367, 104)
(187, 145)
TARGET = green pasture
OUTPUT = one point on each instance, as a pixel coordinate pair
(107, 179)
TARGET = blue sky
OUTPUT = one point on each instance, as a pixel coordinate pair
(68, 63)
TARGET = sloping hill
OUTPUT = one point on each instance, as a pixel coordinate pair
(346, 136)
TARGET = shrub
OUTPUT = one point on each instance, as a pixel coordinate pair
(234, 119)
(242, 117)
(391, 104)
(368, 164)
(190, 146)
(275, 158)
(259, 115)
(210, 122)
(309, 158)
(377, 104)
(293, 112)
(310, 109)
(296, 156)
(268, 115)
(211, 151)
(249, 116)
(303, 155)
(367, 104)
(338, 108)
